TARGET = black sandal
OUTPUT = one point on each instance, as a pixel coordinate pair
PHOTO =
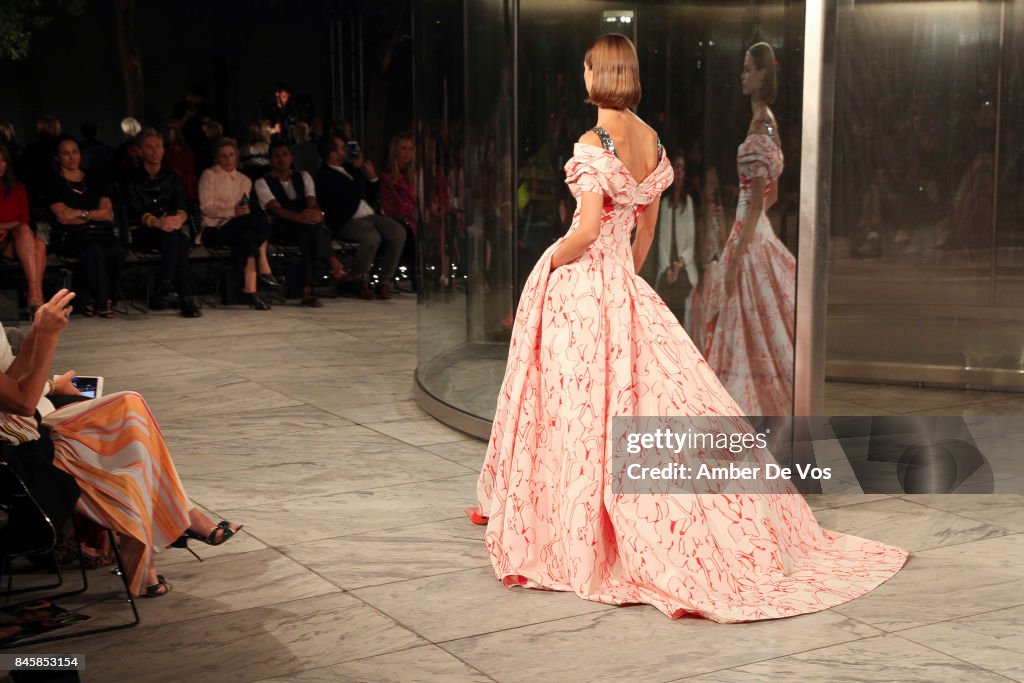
(161, 587)
(223, 527)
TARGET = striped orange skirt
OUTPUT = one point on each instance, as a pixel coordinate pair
(113, 448)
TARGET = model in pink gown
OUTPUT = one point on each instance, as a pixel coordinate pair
(592, 341)
(748, 335)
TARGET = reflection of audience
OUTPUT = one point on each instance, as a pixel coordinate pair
(84, 230)
(289, 197)
(157, 200)
(346, 187)
(676, 234)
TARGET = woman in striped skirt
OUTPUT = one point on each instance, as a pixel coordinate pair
(113, 448)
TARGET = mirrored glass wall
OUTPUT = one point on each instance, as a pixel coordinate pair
(499, 100)
(926, 264)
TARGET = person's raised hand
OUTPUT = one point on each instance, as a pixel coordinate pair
(52, 317)
(369, 169)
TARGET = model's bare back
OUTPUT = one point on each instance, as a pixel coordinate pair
(636, 143)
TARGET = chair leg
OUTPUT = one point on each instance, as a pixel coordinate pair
(107, 629)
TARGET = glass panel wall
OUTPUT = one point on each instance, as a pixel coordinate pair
(926, 264)
(493, 188)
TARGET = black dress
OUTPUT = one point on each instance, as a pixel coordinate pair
(94, 245)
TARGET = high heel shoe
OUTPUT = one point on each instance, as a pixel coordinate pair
(219, 535)
(256, 302)
(269, 280)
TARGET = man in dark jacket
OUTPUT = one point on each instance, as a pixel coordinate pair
(157, 201)
(347, 188)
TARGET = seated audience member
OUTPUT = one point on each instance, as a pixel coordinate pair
(37, 162)
(97, 157)
(346, 188)
(113, 449)
(254, 156)
(178, 157)
(289, 198)
(128, 155)
(282, 114)
(16, 235)
(84, 229)
(398, 182)
(304, 151)
(157, 201)
(229, 221)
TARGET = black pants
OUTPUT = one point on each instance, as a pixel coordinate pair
(174, 247)
(244, 234)
(100, 258)
(314, 242)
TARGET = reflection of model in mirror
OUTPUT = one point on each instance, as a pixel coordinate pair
(749, 294)
(592, 341)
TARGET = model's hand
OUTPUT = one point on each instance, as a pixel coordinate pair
(171, 223)
(52, 317)
(672, 272)
(242, 210)
(731, 276)
(312, 216)
(368, 168)
(62, 385)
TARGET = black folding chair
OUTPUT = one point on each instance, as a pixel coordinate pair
(29, 531)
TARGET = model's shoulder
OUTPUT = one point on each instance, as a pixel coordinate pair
(590, 138)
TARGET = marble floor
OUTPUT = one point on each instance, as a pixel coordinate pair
(356, 563)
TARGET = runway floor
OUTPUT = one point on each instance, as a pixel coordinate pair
(357, 564)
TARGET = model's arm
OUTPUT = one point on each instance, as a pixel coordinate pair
(750, 219)
(645, 228)
(585, 234)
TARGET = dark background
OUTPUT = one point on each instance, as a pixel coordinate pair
(351, 57)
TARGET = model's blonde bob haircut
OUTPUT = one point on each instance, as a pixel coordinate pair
(615, 82)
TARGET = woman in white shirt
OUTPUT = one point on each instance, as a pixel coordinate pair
(676, 233)
(228, 220)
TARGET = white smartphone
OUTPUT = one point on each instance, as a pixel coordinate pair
(88, 386)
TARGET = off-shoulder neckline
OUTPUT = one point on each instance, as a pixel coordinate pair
(763, 135)
(625, 168)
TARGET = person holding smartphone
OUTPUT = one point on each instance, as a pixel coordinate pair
(347, 187)
(229, 221)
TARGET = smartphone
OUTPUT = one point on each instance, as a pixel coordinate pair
(88, 386)
(353, 148)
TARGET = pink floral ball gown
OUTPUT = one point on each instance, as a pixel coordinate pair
(748, 336)
(592, 341)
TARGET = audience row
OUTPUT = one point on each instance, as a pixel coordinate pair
(289, 205)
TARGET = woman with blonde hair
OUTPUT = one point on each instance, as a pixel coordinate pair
(592, 341)
(398, 181)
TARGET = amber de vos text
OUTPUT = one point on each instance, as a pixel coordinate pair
(660, 439)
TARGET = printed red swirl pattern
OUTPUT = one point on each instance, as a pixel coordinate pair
(591, 341)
